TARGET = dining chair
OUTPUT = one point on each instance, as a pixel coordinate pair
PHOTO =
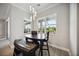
(45, 44)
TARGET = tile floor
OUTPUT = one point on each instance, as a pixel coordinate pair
(54, 52)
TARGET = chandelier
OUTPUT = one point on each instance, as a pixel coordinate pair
(32, 10)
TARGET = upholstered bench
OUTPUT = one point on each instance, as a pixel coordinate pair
(27, 49)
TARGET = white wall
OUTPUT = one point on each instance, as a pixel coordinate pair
(4, 10)
(4, 13)
(17, 23)
(2, 28)
(73, 29)
(61, 39)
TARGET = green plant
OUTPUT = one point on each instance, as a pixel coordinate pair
(51, 29)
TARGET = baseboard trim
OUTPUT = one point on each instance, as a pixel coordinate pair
(61, 48)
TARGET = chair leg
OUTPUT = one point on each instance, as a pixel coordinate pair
(48, 49)
(14, 54)
(33, 53)
(39, 52)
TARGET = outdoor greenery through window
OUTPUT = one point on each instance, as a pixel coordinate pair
(51, 25)
(48, 25)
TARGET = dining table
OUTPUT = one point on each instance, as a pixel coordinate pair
(39, 38)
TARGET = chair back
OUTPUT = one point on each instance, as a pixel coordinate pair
(47, 36)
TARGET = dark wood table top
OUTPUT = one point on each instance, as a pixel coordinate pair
(38, 37)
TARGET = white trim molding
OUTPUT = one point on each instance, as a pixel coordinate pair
(61, 48)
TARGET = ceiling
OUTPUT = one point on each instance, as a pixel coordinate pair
(39, 7)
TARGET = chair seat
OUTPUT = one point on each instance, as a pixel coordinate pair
(30, 47)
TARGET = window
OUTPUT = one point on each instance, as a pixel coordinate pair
(51, 25)
(27, 28)
(27, 25)
(47, 25)
(41, 26)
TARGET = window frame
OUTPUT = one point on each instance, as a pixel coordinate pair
(45, 19)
